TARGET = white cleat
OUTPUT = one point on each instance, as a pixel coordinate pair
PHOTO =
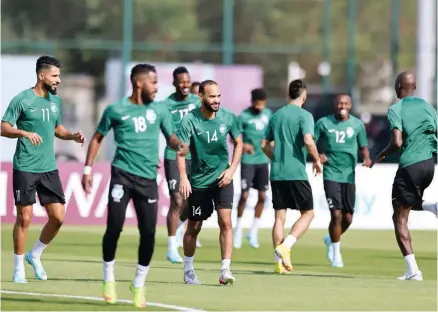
(237, 239)
(417, 276)
(328, 243)
(338, 263)
(226, 278)
(191, 278)
(253, 240)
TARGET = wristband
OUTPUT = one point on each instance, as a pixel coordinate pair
(87, 170)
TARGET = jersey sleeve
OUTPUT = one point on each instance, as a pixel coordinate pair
(236, 127)
(269, 132)
(362, 136)
(105, 122)
(166, 123)
(185, 130)
(318, 130)
(13, 111)
(394, 120)
(307, 125)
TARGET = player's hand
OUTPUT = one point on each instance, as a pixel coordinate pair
(323, 158)
(87, 183)
(248, 148)
(184, 187)
(34, 138)
(79, 137)
(225, 178)
(317, 168)
(183, 149)
(368, 163)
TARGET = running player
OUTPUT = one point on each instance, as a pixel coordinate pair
(179, 103)
(195, 88)
(340, 136)
(254, 169)
(205, 129)
(37, 113)
(413, 124)
(136, 121)
(288, 138)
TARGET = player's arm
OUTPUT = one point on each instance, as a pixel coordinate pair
(307, 126)
(268, 142)
(396, 141)
(363, 146)
(167, 128)
(317, 138)
(184, 135)
(62, 133)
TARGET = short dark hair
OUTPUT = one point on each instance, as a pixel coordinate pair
(206, 83)
(195, 84)
(179, 70)
(258, 95)
(296, 88)
(141, 69)
(45, 62)
(335, 99)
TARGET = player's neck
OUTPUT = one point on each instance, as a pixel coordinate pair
(296, 103)
(341, 118)
(40, 91)
(207, 113)
(180, 96)
(137, 99)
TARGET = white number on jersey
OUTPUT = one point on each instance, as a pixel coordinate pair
(183, 112)
(196, 210)
(46, 114)
(340, 136)
(140, 124)
(213, 137)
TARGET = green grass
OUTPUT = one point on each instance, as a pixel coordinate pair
(367, 282)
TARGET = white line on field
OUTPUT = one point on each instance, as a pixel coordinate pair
(152, 304)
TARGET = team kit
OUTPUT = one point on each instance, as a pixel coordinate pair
(271, 149)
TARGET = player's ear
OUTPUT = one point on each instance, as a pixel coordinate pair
(40, 75)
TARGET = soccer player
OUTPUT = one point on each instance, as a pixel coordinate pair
(254, 168)
(37, 113)
(136, 121)
(413, 124)
(288, 138)
(205, 130)
(195, 88)
(340, 136)
(179, 104)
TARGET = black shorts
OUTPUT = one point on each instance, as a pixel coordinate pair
(172, 174)
(295, 195)
(202, 202)
(255, 176)
(340, 195)
(410, 183)
(47, 184)
(125, 186)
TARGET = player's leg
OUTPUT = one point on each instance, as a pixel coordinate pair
(118, 198)
(333, 193)
(261, 184)
(302, 200)
(24, 185)
(175, 210)
(146, 207)
(200, 209)
(223, 201)
(247, 173)
(279, 203)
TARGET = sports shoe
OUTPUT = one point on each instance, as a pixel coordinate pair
(279, 268)
(19, 277)
(109, 292)
(328, 243)
(284, 254)
(139, 294)
(253, 240)
(417, 276)
(226, 278)
(174, 257)
(338, 263)
(191, 278)
(40, 273)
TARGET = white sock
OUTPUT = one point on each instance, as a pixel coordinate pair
(255, 226)
(239, 224)
(336, 250)
(188, 264)
(19, 263)
(277, 258)
(289, 241)
(180, 224)
(171, 243)
(37, 250)
(226, 264)
(108, 271)
(140, 276)
(429, 206)
(412, 264)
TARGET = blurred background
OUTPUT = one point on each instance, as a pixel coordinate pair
(352, 46)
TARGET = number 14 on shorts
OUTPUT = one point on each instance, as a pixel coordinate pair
(196, 211)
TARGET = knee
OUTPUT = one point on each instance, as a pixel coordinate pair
(24, 219)
(57, 220)
(177, 202)
(262, 197)
(244, 196)
(308, 214)
(347, 218)
(225, 225)
(336, 216)
(193, 228)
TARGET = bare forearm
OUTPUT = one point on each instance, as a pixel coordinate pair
(268, 150)
(8, 131)
(63, 134)
(365, 153)
(388, 150)
(237, 155)
(93, 149)
(313, 151)
(173, 142)
(181, 163)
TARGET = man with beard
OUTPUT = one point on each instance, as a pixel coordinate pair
(340, 136)
(206, 129)
(179, 104)
(254, 170)
(136, 121)
(37, 113)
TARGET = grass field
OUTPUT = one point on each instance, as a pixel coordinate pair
(367, 282)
